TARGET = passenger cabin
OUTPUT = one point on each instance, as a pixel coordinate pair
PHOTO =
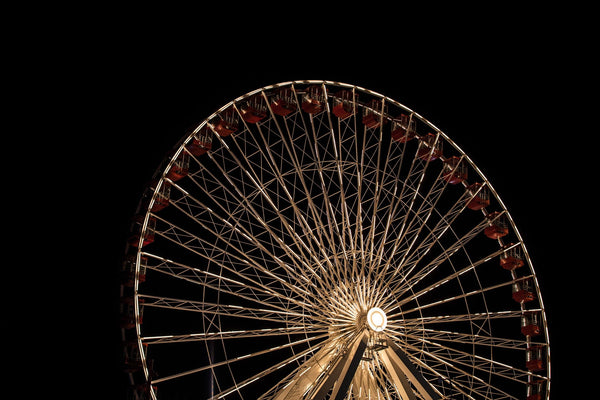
(226, 122)
(523, 291)
(534, 358)
(455, 171)
(180, 167)
(254, 110)
(530, 325)
(143, 391)
(284, 102)
(480, 197)
(201, 142)
(498, 227)
(535, 390)
(343, 104)
(128, 271)
(127, 311)
(136, 229)
(162, 197)
(512, 259)
(132, 360)
(372, 114)
(313, 101)
(403, 129)
(430, 148)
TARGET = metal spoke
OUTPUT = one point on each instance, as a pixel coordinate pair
(236, 359)
(468, 338)
(463, 295)
(228, 310)
(255, 333)
(460, 317)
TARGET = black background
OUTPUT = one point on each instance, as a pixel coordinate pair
(508, 92)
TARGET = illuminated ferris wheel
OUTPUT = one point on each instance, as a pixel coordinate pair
(317, 240)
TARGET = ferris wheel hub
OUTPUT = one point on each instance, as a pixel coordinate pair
(376, 319)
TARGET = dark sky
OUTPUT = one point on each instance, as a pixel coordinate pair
(509, 103)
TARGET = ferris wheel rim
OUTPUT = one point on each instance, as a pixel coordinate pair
(181, 148)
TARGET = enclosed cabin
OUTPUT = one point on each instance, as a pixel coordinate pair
(498, 226)
(403, 129)
(480, 196)
(534, 358)
(455, 171)
(180, 167)
(530, 324)
(144, 391)
(138, 232)
(226, 122)
(343, 103)
(512, 259)
(161, 201)
(127, 312)
(523, 291)
(201, 142)
(373, 114)
(283, 102)
(313, 100)
(132, 360)
(430, 148)
(535, 390)
(254, 109)
(128, 271)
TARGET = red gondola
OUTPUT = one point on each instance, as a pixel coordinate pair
(132, 361)
(522, 291)
(498, 227)
(128, 271)
(535, 390)
(343, 105)
(430, 149)
(162, 197)
(180, 167)
(226, 123)
(372, 115)
(511, 259)
(254, 110)
(529, 324)
(534, 358)
(481, 198)
(200, 143)
(134, 239)
(403, 130)
(313, 100)
(127, 308)
(454, 170)
(284, 102)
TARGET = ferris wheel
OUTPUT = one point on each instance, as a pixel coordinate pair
(318, 240)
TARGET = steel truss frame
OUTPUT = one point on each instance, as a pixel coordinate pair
(290, 228)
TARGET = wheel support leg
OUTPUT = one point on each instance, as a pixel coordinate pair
(334, 383)
(404, 373)
(347, 371)
(336, 380)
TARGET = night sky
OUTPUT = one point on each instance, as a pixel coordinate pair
(509, 103)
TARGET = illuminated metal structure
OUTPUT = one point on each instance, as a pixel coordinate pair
(315, 240)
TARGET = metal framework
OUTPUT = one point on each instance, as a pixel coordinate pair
(288, 214)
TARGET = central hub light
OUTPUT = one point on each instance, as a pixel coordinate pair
(376, 319)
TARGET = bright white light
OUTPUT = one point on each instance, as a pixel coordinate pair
(376, 319)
